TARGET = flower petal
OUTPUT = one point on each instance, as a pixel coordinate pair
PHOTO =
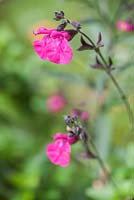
(40, 47)
(43, 30)
(59, 152)
(60, 136)
(59, 51)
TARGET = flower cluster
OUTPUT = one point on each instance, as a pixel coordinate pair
(59, 151)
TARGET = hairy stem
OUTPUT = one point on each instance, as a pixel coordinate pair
(102, 165)
(97, 156)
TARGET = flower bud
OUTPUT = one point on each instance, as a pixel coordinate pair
(59, 15)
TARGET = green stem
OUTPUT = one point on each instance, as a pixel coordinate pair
(102, 165)
(119, 89)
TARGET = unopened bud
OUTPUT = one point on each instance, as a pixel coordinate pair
(59, 15)
(75, 24)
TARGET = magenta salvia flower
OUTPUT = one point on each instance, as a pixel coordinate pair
(124, 26)
(59, 151)
(54, 46)
(55, 103)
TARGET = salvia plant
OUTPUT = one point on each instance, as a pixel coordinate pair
(55, 47)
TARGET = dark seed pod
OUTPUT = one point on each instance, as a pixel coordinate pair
(85, 45)
(72, 33)
(99, 42)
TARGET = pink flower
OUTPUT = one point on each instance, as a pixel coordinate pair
(59, 151)
(84, 115)
(54, 46)
(124, 26)
(55, 103)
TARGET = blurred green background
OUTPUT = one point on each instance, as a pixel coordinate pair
(26, 83)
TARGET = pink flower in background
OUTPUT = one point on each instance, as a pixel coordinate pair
(55, 103)
(59, 151)
(124, 26)
(84, 115)
(54, 46)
